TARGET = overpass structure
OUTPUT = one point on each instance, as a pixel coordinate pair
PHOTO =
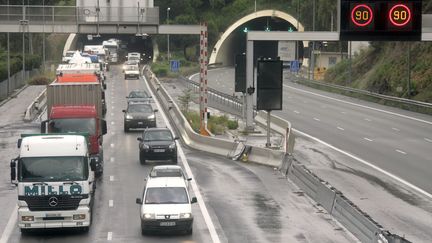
(87, 20)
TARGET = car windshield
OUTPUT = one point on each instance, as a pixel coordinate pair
(140, 108)
(166, 173)
(158, 136)
(70, 168)
(138, 94)
(87, 125)
(166, 195)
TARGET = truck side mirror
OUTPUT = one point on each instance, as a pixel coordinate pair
(138, 201)
(139, 139)
(104, 127)
(156, 110)
(194, 200)
(93, 164)
(44, 127)
(13, 171)
(19, 142)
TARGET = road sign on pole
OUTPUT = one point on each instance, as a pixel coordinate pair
(174, 65)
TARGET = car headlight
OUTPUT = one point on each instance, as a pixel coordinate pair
(172, 146)
(151, 117)
(149, 216)
(129, 116)
(185, 215)
(145, 146)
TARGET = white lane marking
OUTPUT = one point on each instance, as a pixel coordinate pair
(368, 139)
(112, 145)
(362, 106)
(367, 119)
(10, 226)
(400, 180)
(113, 107)
(316, 119)
(428, 140)
(201, 204)
(109, 236)
(297, 112)
(111, 203)
(112, 159)
(112, 114)
(112, 123)
(397, 130)
(111, 178)
(400, 151)
(340, 128)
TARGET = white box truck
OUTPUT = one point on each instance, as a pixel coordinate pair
(55, 179)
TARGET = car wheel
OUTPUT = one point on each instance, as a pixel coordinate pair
(174, 160)
(141, 158)
(125, 77)
(25, 231)
(126, 128)
(189, 231)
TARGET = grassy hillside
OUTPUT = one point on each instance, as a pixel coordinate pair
(383, 68)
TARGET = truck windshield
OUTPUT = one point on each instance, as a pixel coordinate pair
(166, 195)
(70, 168)
(87, 125)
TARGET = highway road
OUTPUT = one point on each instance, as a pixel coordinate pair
(237, 202)
(397, 141)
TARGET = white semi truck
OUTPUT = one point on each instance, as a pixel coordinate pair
(55, 180)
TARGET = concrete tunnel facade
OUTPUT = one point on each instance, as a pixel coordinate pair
(228, 44)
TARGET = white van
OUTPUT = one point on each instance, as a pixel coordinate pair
(166, 205)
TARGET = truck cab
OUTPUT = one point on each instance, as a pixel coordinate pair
(55, 180)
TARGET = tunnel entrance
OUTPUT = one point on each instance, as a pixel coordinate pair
(233, 41)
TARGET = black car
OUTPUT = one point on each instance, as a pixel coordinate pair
(139, 115)
(138, 96)
(157, 144)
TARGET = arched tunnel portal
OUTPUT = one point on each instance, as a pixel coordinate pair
(233, 40)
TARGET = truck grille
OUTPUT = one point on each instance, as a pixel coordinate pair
(53, 202)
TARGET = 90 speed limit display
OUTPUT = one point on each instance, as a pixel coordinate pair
(380, 20)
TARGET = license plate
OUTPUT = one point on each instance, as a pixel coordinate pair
(167, 223)
(140, 123)
(159, 150)
(48, 215)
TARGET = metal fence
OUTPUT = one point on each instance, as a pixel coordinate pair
(16, 81)
(77, 15)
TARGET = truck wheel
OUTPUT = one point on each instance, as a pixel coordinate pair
(141, 158)
(174, 160)
(189, 231)
(85, 229)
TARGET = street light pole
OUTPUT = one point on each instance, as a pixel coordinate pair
(168, 37)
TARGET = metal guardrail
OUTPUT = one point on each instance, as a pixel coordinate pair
(407, 104)
(72, 15)
(219, 100)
